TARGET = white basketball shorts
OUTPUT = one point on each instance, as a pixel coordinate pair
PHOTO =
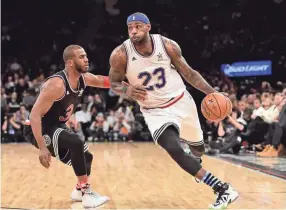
(182, 114)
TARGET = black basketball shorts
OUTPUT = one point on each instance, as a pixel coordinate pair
(52, 135)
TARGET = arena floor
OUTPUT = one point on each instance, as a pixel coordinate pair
(133, 175)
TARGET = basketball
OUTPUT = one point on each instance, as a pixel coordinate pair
(216, 107)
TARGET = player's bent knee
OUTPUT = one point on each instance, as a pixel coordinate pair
(170, 141)
(76, 142)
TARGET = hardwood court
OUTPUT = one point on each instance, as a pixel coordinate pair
(133, 175)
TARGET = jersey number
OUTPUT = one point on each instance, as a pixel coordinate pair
(68, 113)
(159, 72)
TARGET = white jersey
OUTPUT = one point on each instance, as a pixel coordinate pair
(155, 72)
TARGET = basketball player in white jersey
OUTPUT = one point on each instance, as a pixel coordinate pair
(152, 64)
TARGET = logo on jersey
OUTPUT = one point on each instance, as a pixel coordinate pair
(80, 92)
(47, 140)
(160, 57)
(133, 59)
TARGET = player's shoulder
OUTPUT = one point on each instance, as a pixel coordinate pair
(119, 49)
(168, 41)
(54, 83)
(118, 55)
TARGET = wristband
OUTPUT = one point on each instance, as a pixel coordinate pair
(106, 82)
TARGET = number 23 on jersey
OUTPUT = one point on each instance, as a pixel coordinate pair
(158, 73)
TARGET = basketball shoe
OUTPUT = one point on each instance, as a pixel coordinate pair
(225, 196)
(88, 198)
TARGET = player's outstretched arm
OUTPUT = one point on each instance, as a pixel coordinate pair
(96, 80)
(51, 90)
(193, 77)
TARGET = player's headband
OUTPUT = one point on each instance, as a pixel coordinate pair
(138, 17)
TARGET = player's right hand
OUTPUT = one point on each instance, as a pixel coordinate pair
(45, 157)
(137, 92)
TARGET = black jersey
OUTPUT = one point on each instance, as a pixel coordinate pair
(63, 108)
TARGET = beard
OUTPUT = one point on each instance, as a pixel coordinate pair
(80, 69)
(140, 41)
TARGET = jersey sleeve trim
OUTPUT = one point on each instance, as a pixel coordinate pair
(83, 79)
(65, 86)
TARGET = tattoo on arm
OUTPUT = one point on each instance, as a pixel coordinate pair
(193, 77)
(118, 62)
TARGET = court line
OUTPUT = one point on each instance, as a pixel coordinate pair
(244, 166)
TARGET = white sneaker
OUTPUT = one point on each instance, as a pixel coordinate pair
(76, 195)
(225, 196)
(91, 199)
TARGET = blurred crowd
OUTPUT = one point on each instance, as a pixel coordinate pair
(256, 124)
(209, 32)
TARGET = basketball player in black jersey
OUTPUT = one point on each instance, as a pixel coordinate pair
(54, 106)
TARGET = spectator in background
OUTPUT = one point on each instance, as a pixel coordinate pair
(277, 131)
(122, 128)
(13, 103)
(256, 106)
(232, 140)
(83, 117)
(3, 99)
(29, 98)
(22, 115)
(99, 103)
(98, 128)
(242, 105)
(10, 85)
(21, 86)
(124, 110)
(11, 129)
(111, 119)
(268, 112)
(90, 102)
(210, 131)
(15, 66)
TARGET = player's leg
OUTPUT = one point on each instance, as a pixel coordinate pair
(81, 163)
(76, 194)
(197, 151)
(190, 127)
(169, 139)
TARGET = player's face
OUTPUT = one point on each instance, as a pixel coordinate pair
(81, 61)
(138, 31)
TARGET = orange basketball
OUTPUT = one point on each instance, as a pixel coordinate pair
(216, 107)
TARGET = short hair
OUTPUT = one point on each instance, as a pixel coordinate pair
(257, 99)
(279, 94)
(69, 52)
